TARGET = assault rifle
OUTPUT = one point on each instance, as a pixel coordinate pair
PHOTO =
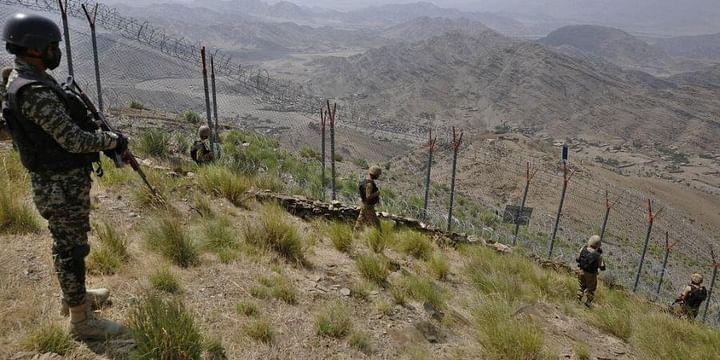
(120, 160)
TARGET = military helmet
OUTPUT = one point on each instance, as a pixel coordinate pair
(594, 242)
(696, 278)
(204, 131)
(30, 31)
(375, 171)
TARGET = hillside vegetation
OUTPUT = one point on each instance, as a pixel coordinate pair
(211, 271)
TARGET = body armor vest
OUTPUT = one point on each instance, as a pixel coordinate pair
(39, 152)
(363, 195)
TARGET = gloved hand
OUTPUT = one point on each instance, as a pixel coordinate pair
(122, 144)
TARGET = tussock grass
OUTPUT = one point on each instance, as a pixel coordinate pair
(414, 244)
(247, 309)
(341, 236)
(162, 184)
(333, 321)
(270, 182)
(424, 290)
(222, 239)
(275, 232)
(164, 329)
(505, 336)
(661, 336)
(384, 307)
(399, 294)
(164, 280)
(582, 351)
(276, 286)
(168, 236)
(373, 267)
(214, 349)
(361, 289)
(360, 341)
(260, 330)
(204, 206)
(114, 176)
(222, 182)
(16, 215)
(12, 169)
(110, 252)
(378, 239)
(49, 338)
(438, 266)
(153, 142)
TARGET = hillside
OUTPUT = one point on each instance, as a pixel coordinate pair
(424, 28)
(699, 47)
(708, 78)
(483, 81)
(613, 45)
(243, 280)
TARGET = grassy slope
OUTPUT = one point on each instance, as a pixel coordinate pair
(292, 274)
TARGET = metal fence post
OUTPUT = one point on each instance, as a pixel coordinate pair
(216, 133)
(566, 179)
(608, 206)
(431, 149)
(528, 178)
(457, 141)
(66, 34)
(668, 248)
(323, 121)
(715, 265)
(93, 35)
(651, 220)
(332, 110)
(208, 110)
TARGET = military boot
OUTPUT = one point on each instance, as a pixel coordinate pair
(97, 297)
(85, 325)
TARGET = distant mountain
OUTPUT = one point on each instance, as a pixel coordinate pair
(610, 44)
(701, 47)
(708, 78)
(423, 28)
(478, 82)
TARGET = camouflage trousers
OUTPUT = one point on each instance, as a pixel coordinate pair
(683, 311)
(63, 199)
(367, 217)
(588, 285)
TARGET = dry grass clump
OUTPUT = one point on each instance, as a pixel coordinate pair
(222, 239)
(378, 239)
(373, 267)
(203, 206)
(275, 232)
(154, 142)
(247, 309)
(424, 290)
(114, 176)
(333, 321)
(162, 184)
(214, 349)
(582, 351)
(164, 329)
(414, 244)
(168, 236)
(165, 280)
(361, 342)
(260, 330)
(384, 307)
(361, 289)
(341, 236)
(438, 267)
(17, 216)
(110, 252)
(220, 181)
(276, 286)
(49, 338)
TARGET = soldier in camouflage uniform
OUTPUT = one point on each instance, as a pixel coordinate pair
(369, 198)
(687, 304)
(57, 142)
(201, 150)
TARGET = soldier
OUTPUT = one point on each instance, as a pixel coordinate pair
(589, 261)
(369, 197)
(200, 151)
(687, 305)
(58, 142)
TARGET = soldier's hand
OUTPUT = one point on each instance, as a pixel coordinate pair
(120, 143)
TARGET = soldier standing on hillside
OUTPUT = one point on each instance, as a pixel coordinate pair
(589, 261)
(369, 197)
(689, 300)
(200, 151)
(58, 142)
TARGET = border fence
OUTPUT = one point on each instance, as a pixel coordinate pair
(651, 247)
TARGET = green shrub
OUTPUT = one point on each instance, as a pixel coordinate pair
(168, 236)
(222, 182)
(154, 142)
(274, 231)
(341, 236)
(373, 267)
(361, 342)
(49, 338)
(164, 280)
(260, 330)
(309, 153)
(191, 117)
(136, 105)
(333, 321)
(415, 244)
(163, 329)
(182, 143)
(247, 309)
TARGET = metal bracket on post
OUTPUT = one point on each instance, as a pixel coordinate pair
(651, 220)
(457, 142)
(715, 266)
(566, 179)
(93, 34)
(528, 178)
(668, 248)
(66, 33)
(431, 148)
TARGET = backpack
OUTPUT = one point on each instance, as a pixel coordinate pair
(197, 146)
(697, 295)
(363, 196)
(588, 261)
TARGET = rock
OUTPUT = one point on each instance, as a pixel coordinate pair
(502, 248)
(345, 292)
(430, 332)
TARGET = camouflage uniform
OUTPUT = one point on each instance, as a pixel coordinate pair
(201, 150)
(590, 257)
(369, 197)
(62, 197)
